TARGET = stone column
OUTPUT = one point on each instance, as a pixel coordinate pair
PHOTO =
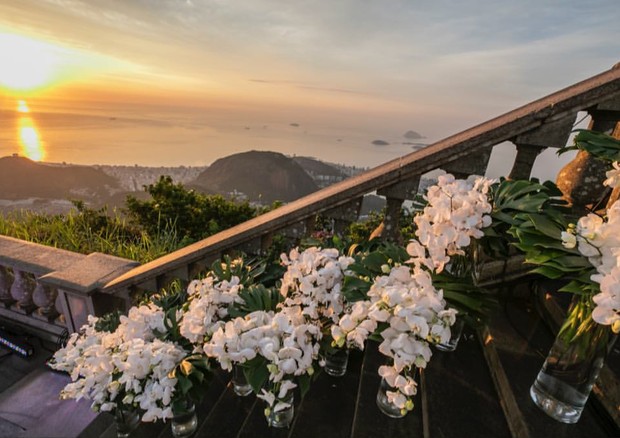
(5, 287)
(553, 133)
(21, 291)
(395, 195)
(44, 297)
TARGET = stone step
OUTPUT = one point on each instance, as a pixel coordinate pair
(31, 408)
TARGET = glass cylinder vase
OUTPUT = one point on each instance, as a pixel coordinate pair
(126, 421)
(455, 335)
(563, 385)
(240, 384)
(184, 421)
(384, 404)
(336, 362)
(280, 416)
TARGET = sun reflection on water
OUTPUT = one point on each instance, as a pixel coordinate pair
(29, 139)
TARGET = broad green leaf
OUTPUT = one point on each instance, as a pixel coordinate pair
(256, 373)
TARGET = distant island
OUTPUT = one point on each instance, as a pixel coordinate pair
(380, 143)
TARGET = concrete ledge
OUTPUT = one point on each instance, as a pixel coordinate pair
(35, 258)
(89, 274)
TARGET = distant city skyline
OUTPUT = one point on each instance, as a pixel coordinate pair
(186, 82)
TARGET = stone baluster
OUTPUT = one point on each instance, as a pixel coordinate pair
(266, 241)
(58, 307)
(395, 195)
(21, 291)
(552, 133)
(79, 286)
(310, 225)
(5, 287)
(344, 215)
(524, 161)
(44, 297)
(474, 164)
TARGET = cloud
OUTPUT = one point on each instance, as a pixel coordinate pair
(444, 58)
(304, 86)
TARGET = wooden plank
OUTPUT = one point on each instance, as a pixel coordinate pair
(227, 415)
(369, 421)
(426, 423)
(522, 341)
(460, 394)
(512, 412)
(329, 407)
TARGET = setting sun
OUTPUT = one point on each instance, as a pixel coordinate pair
(26, 64)
(22, 107)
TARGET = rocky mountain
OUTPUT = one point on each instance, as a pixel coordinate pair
(259, 175)
(21, 178)
(323, 174)
(317, 167)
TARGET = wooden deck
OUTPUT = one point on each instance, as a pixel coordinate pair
(458, 395)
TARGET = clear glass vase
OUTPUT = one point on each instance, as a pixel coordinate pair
(336, 362)
(184, 421)
(282, 418)
(240, 384)
(563, 385)
(384, 404)
(126, 420)
(455, 335)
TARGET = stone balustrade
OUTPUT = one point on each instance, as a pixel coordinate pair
(52, 291)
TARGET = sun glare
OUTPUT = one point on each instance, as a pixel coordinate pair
(22, 107)
(31, 145)
(27, 64)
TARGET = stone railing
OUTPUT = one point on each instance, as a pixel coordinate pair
(55, 290)
(52, 291)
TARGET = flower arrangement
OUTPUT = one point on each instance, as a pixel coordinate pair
(403, 306)
(282, 344)
(127, 363)
(583, 249)
(581, 253)
(312, 283)
(277, 340)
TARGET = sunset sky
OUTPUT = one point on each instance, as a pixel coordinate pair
(173, 82)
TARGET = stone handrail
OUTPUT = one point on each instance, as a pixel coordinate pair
(50, 290)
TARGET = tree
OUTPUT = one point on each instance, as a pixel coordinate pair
(193, 215)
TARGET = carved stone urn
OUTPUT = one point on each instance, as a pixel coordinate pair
(581, 180)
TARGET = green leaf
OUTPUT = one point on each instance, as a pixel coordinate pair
(574, 287)
(548, 272)
(256, 373)
(374, 261)
(355, 289)
(256, 297)
(184, 383)
(304, 383)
